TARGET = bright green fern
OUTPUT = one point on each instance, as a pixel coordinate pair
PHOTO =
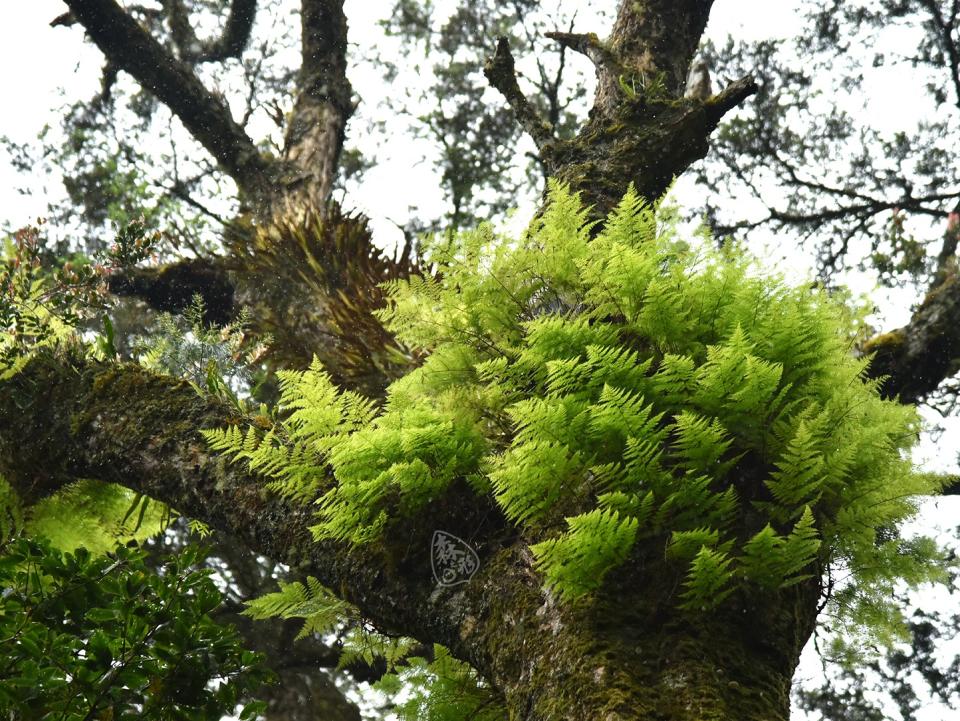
(617, 394)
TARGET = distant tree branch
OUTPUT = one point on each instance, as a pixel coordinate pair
(501, 73)
(132, 49)
(945, 29)
(588, 44)
(729, 98)
(229, 44)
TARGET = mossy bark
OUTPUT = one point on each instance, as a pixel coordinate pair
(641, 129)
(647, 141)
(626, 653)
(915, 359)
(629, 653)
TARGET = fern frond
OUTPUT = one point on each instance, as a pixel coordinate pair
(709, 580)
(700, 443)
(684, 545)
(321, 610)
(575, 563)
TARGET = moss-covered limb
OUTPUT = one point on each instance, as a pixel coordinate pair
(171, 287)
(645, 141)
(917, 357)
(641, 129)
(500, 72)
(629, 654)
(66, 418)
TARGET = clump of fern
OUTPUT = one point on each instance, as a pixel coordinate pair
(617, 388)
(214, 359)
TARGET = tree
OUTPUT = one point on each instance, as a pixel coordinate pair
(542, 656)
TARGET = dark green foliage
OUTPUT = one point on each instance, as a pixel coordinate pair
(215, 360)
(105, 637)
(43, 298)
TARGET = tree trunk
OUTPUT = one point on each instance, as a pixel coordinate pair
(625, 653)
(629, 653)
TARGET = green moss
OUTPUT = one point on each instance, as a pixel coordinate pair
(885, 340)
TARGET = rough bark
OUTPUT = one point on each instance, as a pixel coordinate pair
(315, 130)
(626, 654)
(651, 39)
(641, 129)
(916, 358)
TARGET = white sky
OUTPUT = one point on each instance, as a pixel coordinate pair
(37, 60)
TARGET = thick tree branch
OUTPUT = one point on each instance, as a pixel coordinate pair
(229, 44)
(131, 48)
(641, 129)
(126, 425)
(653, 39)
(170, 288)
(919, 356)
(549, 661)
(501, 73)
(316, 128)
